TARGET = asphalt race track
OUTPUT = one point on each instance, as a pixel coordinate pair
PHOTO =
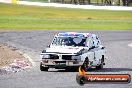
(33, 42)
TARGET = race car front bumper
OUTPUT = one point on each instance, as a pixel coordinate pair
(60, 64)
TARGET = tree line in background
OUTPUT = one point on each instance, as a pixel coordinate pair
(90, 2)
(98, 2)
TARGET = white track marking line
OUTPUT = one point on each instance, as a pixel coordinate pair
(130, 44)
(74, 6)
(28, 57)
(31, 60)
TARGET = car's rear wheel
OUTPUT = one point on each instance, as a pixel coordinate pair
(43, 68)
(101, 65)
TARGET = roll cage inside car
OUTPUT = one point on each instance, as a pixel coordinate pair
(69, 41)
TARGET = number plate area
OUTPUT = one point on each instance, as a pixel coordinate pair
(60, 63)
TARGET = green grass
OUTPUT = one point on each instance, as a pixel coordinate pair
(20, 17)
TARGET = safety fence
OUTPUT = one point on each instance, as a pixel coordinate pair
(90, 2)
(81, 2)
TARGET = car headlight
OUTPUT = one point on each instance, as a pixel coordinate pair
(45, 56)
(76, 57)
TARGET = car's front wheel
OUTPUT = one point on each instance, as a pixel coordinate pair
(43, 68)
(85, 65)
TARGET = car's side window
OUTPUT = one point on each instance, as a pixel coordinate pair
(96, 41)
(89, 42)
(93, 41)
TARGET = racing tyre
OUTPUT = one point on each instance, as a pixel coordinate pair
(86, 64)
(43, 68)
(101, 65)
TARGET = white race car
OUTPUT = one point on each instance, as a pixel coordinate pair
(71, 49)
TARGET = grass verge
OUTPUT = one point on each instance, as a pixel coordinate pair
(20, 17)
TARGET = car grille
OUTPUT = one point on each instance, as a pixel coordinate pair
(67, 57)
(54, 56)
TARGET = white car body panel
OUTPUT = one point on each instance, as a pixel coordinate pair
(63, 49)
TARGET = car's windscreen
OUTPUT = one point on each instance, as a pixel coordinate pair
(69, 41)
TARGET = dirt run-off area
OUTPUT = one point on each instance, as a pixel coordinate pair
(11, 60)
